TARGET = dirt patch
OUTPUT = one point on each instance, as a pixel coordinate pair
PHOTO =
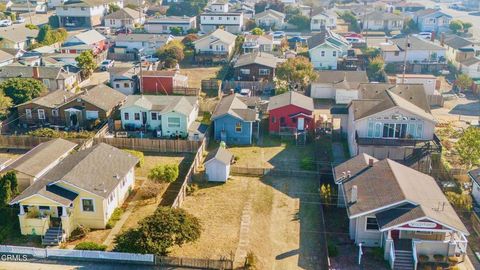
(197, 74)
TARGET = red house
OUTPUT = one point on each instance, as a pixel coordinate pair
(162, 82)
(290, 113)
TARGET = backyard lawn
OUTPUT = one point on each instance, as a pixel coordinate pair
(197, 74)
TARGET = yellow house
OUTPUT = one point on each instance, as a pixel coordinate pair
(83, 189)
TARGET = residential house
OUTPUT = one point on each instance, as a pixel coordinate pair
(162, 82)
(84, 13)
(229, 21)
(219, 6)
(163, 24)
(255, 67)
(6, 58)
(32, 165)
(219, 44)
(400, 210)
(124, 79)
(38, 7)
(169, 116)
(290, 113)
(148, 42)
(234, 119)
(392, 121)
(270, 19)
(475, 176)
(432, 20)
(325, 48)
(84, 189)
(428, 81)
(52, 77)
(342, 86)
(73, 110)
(124, 18)
(90, 40)
(322, 20)
(382, 21)
(217, 165)
(257, 43)
(458, 48)
(408, 7)
(471, 67)
(17, 37)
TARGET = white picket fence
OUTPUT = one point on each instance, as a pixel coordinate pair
(78, 254)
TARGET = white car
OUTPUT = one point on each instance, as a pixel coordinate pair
(106, 64)
(278, 34)
(150, 58)
(425, 35)
(5, 23)
(19, 20)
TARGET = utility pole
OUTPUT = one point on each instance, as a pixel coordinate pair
(407, 46)
(29, 12)
(141, 70)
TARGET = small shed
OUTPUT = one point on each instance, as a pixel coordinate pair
(217, 165)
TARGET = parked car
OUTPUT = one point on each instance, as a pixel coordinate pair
(106, 64)
(104, 30)
(278, 34)
(150, 58)
(70, 24)
(425, 35)
(124, 31)
(5, 23)
(19, 20)
(245, 92)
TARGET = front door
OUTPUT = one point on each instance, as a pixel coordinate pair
(301, 124)
(395, 234)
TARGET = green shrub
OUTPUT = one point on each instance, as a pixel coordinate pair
(51, 133)
(31, 26)
(251, 261)
(139, 155)
(378, 254)
(191, 189)
(116, 215)
(90, 246)
(307, 163)
(78, 233)
(332, 250)
(164, 173)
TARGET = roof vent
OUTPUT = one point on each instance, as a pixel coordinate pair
(370, 162)
(354, 194)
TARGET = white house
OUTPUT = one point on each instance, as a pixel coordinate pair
(417, 50)
(270, 19)
(219, 6)
(428, 81)
(325, 48)
(471, 67)
(458, 48)
(432, 20)
(162, 24)
(475, 176)
(84, 13)
(230, 21)
(217, 165)
(339, 85)
(124, 79)
(324, 19)
(148, 42)
(124, 18)
(382, 21)
(217, 42)
(256, 43)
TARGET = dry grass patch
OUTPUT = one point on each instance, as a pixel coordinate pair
(154, 159)
(197, 74)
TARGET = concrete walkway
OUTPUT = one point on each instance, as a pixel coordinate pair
(118, 226)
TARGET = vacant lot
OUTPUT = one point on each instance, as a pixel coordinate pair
(283, 220)
(197, 74)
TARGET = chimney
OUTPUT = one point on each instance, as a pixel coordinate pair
(36, 72)
(354, 194)
(370, 162)
(442, 40)
(349, 174)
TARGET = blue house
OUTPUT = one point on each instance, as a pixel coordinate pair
(432, 20)
(234, 119)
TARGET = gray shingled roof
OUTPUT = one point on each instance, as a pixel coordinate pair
(98, 169)
(4, 56)
(221, 154)
(221, 35)
(291, 98)
(272, 12)
(142, 37)
(123, 13)
(104, 97)
(350, 79)
(164, 104)
(90, 37)
(388, 183)
(416, 43)
(236, 107)
(41, 156)
(52, 99)
(457, 42)
(18, 71)
(264, 59)
(381, 16)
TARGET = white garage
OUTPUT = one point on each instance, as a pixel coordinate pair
(217, 165)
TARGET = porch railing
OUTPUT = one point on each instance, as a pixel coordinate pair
(392, 254)
(414, 253)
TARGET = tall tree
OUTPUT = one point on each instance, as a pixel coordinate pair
(297, 71)
(464, 82)
(5, 104)
(300, 21)
(456, 26)
(172, 53)
(257, 31)
(5, 193)
(468, 147)
(21, 90)
(375, 69)
(158, 233)
(86, 62)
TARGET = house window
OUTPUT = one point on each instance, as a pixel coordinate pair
(41, 114)
(87, 205)
(322, 53)
(55, 112)
(273, 119)
(28, 113)
(264, 71)
(282, 121)
(371, 224)
(137, 116)
(370, 129)
(315, 21)
(126, 84)
(244, 71)
(44, 208)
(397, 53)
(238, 127)
(154, 116)
(126, 116)
(117, 85)
(334, 53)
(419, 133)
(378, 130)
(211, 47)
(173, 122)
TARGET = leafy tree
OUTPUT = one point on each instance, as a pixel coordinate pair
(275, 5)
(410, 26)
(186, 8)
(5, 193)
(463, 202)
(48, 36)
(466, 26)
(297, 71)
(371, 52)
(5, 105)
(11, 177)
(350, 18)
(464, 82)
(188, 41)
(250, 24)
(132, 6)
(176, 30)
(86, 62)
(13, 16)
(300, 21)
(375, 69)
(257, 31)
(21, 90)
(468, 147)
(291, 11)
(171, 53)
(158, 233)
(53, 21)
(164, 173)
(456, 25)
(112, 8)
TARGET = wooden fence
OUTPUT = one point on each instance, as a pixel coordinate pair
(28, 142)
(194, 263)
(255, 86)
(435, 100)
(152, 145)
(258, 171)
(212, 87)
(186, 91)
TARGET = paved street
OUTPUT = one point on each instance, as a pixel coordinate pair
(37, 19)
(62, 265)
